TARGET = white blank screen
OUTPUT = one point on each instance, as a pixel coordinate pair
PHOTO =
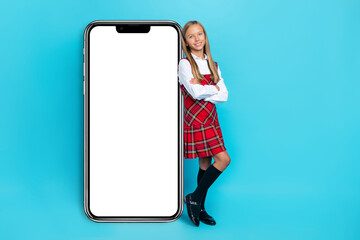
(133, 122)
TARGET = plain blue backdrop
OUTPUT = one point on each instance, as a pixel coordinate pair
(290, 125)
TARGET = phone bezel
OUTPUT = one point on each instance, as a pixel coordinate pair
(86, 87)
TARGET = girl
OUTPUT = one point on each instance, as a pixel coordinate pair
(202, 87)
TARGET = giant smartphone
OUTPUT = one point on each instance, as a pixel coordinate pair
(133, 146)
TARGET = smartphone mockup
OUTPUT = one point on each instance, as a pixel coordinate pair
(133, 143)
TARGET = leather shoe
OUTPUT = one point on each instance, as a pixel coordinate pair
(206, 218)
(193, 209)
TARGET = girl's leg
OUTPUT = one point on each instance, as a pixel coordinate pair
(204, 163)
(193, 200)
(222, 160)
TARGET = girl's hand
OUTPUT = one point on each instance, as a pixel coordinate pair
(194, 81)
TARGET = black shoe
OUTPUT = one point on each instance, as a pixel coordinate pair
(206, 218)
(193, 209)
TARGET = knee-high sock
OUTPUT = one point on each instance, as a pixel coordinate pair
(210, 175)
(200, 175)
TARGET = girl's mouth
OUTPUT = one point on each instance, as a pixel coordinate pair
(198, 44)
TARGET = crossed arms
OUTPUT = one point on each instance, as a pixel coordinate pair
(196, 90)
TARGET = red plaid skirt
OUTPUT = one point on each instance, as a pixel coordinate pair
(202, 133)
(203, 141)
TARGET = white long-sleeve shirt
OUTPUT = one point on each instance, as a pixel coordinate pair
(198, 91)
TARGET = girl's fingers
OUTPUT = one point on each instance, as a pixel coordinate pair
(194, 81)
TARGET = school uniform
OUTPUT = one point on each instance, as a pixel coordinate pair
(202, 133)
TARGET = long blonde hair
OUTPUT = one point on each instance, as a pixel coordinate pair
(195, 69)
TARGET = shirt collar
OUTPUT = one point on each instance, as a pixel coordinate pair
(196, 57)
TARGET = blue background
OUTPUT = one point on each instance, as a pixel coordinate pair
(291, 123)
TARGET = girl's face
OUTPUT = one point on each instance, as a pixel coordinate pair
(195, 37)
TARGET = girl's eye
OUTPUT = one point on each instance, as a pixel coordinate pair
(190, 36)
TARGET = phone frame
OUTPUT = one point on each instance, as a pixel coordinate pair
(86, 88)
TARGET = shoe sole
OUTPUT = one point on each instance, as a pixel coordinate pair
(207, 223)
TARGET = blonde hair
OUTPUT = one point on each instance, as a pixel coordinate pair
(195, 69)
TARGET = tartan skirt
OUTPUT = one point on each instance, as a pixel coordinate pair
(202, 141)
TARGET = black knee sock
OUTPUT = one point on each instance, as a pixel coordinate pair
(210, 175)
(200, 175)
